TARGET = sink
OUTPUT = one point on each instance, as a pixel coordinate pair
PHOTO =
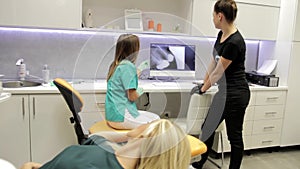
(20, 83)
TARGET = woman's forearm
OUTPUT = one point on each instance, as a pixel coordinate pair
(216, 74)
(210, 69)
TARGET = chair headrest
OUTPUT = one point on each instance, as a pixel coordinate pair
(72, 96)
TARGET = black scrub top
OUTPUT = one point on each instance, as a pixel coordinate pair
(95, 153)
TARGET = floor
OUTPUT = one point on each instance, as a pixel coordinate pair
(278, 158)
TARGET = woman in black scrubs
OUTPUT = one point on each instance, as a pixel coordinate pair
(227, 69)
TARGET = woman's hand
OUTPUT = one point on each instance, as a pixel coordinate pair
(132, 95)
(31, 165)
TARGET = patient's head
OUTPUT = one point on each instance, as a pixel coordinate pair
(163, 145)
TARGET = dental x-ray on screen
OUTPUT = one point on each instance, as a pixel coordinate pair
(172, 59)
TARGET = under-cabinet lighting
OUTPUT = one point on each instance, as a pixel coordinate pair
(36, 30)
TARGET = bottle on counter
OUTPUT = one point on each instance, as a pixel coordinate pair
(46, 74)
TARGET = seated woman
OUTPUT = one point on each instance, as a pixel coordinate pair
(122, 87)
(159, 144)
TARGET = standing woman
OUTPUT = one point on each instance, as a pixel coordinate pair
(122, 87)
(227, 68)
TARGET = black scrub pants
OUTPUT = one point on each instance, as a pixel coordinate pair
(231, 107)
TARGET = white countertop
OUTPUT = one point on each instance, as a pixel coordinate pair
(99, 86)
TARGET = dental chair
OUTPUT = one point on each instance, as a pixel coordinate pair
(75, 103)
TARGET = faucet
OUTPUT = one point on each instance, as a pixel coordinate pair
(22, 68)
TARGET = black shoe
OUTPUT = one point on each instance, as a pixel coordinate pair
(197, 165)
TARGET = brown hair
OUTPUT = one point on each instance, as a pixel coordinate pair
(127, 47)
(228, 8)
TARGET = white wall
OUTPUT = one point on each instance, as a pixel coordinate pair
(284, 38)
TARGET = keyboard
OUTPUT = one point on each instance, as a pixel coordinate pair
(163, 78)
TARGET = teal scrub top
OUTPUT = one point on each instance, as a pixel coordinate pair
(94, 154)
(116, 101)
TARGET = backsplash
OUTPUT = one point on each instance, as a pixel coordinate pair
(72, 54)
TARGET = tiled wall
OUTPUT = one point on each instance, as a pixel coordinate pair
(87, 54)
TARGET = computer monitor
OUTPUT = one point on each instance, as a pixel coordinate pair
(177, 60)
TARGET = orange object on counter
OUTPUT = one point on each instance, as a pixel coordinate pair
(159, 27)
(151, 25)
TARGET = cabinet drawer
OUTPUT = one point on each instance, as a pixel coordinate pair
(270, 97)
(247, 142)
(267, 126)
(93, 102)
(249, 113)
(265, 140)
(268, 112)
(252, 98)
(247, 128)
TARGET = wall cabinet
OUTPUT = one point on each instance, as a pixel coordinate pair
(109, 14)
(47, 14)
(249, 23)
(263, 121)
(36, 128)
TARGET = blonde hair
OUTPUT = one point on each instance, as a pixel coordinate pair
(127, 47)
(165, 145)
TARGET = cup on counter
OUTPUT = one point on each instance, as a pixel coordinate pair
(159, 27)
(151, 25)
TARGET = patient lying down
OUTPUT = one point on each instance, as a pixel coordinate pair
(159, 144)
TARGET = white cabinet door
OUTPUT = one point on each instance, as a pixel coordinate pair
(202, 18)
(37, 13)
(258, 22)
(261, 24)
(51, 130)
(14, 124)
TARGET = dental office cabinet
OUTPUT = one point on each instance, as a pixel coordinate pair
(263, 120)
(187, 16)
(34, 127)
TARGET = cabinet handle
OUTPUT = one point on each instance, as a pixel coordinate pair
(33, 101)
(266, 141)
(269, 127)
(23, 107)
(99, 105)
(272, 98)
(270, 113)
